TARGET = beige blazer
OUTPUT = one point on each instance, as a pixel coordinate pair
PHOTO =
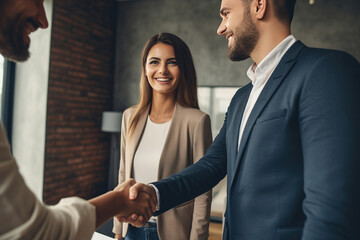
(188, 138)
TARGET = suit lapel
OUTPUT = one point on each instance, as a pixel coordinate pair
(236, 121)
(134, 141)
(278, 76)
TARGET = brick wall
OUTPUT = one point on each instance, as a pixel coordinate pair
(80, 89)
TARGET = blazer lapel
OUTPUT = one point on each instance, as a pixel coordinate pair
(134, 142)
(235, 122)
(278, 76)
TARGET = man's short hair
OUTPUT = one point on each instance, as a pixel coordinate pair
(290, 6)
(284, 9)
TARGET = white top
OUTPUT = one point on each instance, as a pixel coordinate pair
(259, 75)
(148, 153)
(23, 216)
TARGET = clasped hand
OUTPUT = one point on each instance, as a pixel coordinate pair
(139, 203)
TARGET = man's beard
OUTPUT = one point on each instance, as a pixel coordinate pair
(245, 40)
(12, 43)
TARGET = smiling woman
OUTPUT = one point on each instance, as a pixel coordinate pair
(163, 134)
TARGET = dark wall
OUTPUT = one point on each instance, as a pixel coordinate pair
(80, 89)
(327, 24)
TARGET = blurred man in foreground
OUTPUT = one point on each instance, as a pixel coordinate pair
(22, 215)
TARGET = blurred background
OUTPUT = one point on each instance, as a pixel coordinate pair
(88, 62)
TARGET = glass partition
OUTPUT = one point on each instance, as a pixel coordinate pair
(215, 101)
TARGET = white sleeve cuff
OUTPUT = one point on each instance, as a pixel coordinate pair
(157, 197)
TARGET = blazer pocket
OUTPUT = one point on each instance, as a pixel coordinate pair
(272, 116)
(293, 233)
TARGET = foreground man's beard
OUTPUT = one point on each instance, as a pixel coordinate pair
(13, 54)
(12, 43)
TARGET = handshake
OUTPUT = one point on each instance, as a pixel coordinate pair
(138, 202)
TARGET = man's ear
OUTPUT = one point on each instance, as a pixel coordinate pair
(260, 8)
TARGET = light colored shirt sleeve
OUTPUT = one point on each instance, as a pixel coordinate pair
(23, 216)
(157, 208)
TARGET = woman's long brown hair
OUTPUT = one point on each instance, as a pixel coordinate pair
(186, 92)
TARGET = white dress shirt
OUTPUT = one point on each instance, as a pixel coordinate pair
(259, 75)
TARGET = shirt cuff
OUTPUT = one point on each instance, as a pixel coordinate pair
(157, 196)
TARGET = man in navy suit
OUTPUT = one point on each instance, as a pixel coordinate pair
(290, 143)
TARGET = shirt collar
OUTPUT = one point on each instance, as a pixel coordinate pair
(270, 62)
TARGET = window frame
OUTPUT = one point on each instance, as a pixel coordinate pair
(7, 98)
(219, 190)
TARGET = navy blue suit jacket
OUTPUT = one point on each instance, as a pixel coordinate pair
(297, 172)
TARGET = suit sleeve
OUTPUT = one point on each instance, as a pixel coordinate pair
(117, 227)
(329, 123)
(195, 179)
(202, 204)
